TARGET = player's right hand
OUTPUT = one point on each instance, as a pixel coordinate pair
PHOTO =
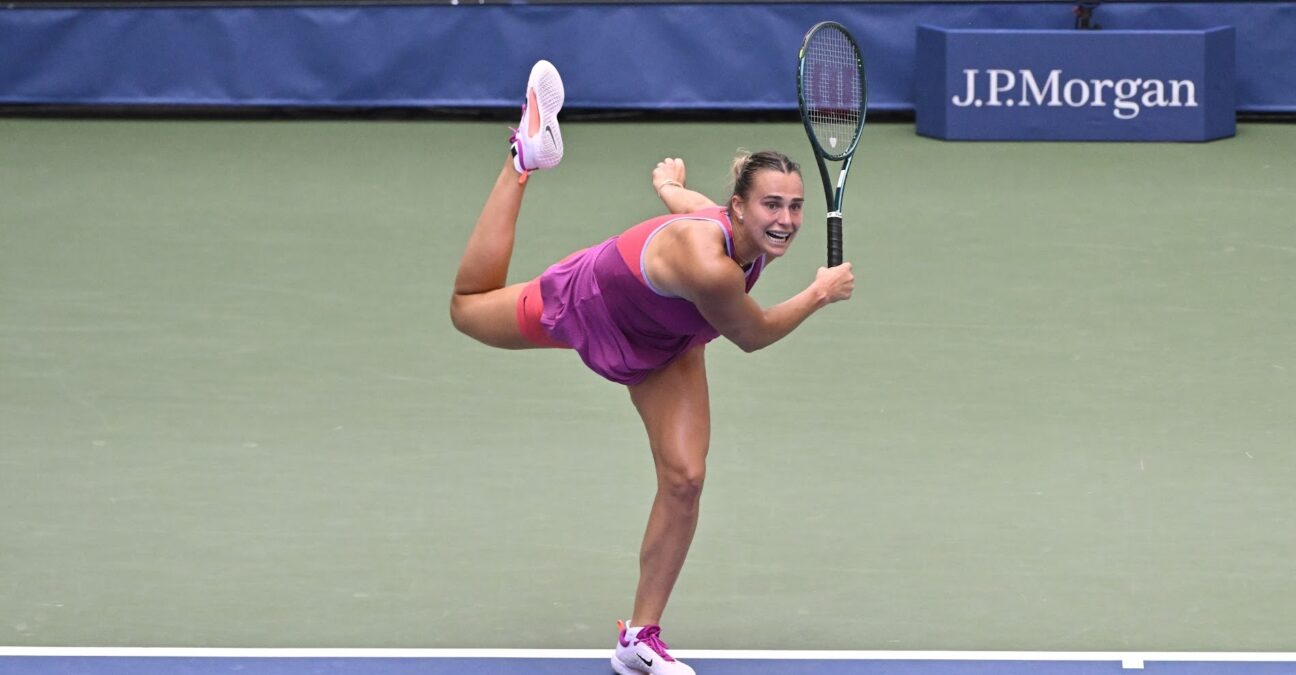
(837, 282)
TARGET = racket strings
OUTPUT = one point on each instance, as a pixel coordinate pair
(833, 95)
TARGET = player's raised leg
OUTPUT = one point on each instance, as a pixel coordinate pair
(484, 306)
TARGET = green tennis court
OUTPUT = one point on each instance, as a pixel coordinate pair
(1058, 414)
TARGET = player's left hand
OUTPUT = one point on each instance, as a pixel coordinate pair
(667, 171)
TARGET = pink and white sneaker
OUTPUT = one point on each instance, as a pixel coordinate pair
(537, 142)
(640, 650)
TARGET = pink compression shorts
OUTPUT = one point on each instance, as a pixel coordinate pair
(530, 306)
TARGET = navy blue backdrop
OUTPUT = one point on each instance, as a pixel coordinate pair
(613, 56)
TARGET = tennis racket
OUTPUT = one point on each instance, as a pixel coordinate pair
(832, 92)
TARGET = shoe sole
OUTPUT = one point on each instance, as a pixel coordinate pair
(623, 669)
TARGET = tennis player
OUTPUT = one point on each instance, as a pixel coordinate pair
(639, 309)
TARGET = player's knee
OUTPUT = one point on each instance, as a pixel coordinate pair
(461, 313)
(683, 483)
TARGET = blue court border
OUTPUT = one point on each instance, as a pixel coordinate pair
(144, 661)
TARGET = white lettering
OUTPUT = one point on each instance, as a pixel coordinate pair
(1001, 81)
(1126, 108)
(1098, 86)
(1030, 86)
(970, 96)
(1154, 94)
(1129, 96)
(1189, 87)
(1076, 93)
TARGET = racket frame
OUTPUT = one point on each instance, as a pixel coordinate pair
(833, 194)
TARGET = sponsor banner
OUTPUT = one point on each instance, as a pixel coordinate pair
(1090, 85)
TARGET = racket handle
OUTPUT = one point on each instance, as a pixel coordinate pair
(834, 240)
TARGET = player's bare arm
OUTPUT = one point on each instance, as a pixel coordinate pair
(668, 182)
(691, 262)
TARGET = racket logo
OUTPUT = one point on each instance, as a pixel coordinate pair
(832, 142)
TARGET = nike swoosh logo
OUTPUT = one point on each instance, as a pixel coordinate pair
(551, 136)
(647, 662)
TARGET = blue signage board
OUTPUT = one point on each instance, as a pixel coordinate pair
(1075, 85)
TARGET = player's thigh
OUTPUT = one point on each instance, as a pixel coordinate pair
(675, 405)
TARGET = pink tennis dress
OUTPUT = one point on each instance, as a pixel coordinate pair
(598, 302)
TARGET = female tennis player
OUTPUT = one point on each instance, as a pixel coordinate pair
(639, 309)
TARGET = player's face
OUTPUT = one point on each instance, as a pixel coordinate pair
(771, 214)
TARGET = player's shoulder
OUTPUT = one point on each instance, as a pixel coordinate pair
(697, 255)
(695, 238)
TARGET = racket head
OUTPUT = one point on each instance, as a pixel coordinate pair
(832, 90)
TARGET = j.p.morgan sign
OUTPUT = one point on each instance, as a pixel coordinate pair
(1075, 85)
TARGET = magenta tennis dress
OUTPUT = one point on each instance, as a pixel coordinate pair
(598, 302)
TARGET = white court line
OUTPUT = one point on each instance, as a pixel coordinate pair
(1129, 659)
